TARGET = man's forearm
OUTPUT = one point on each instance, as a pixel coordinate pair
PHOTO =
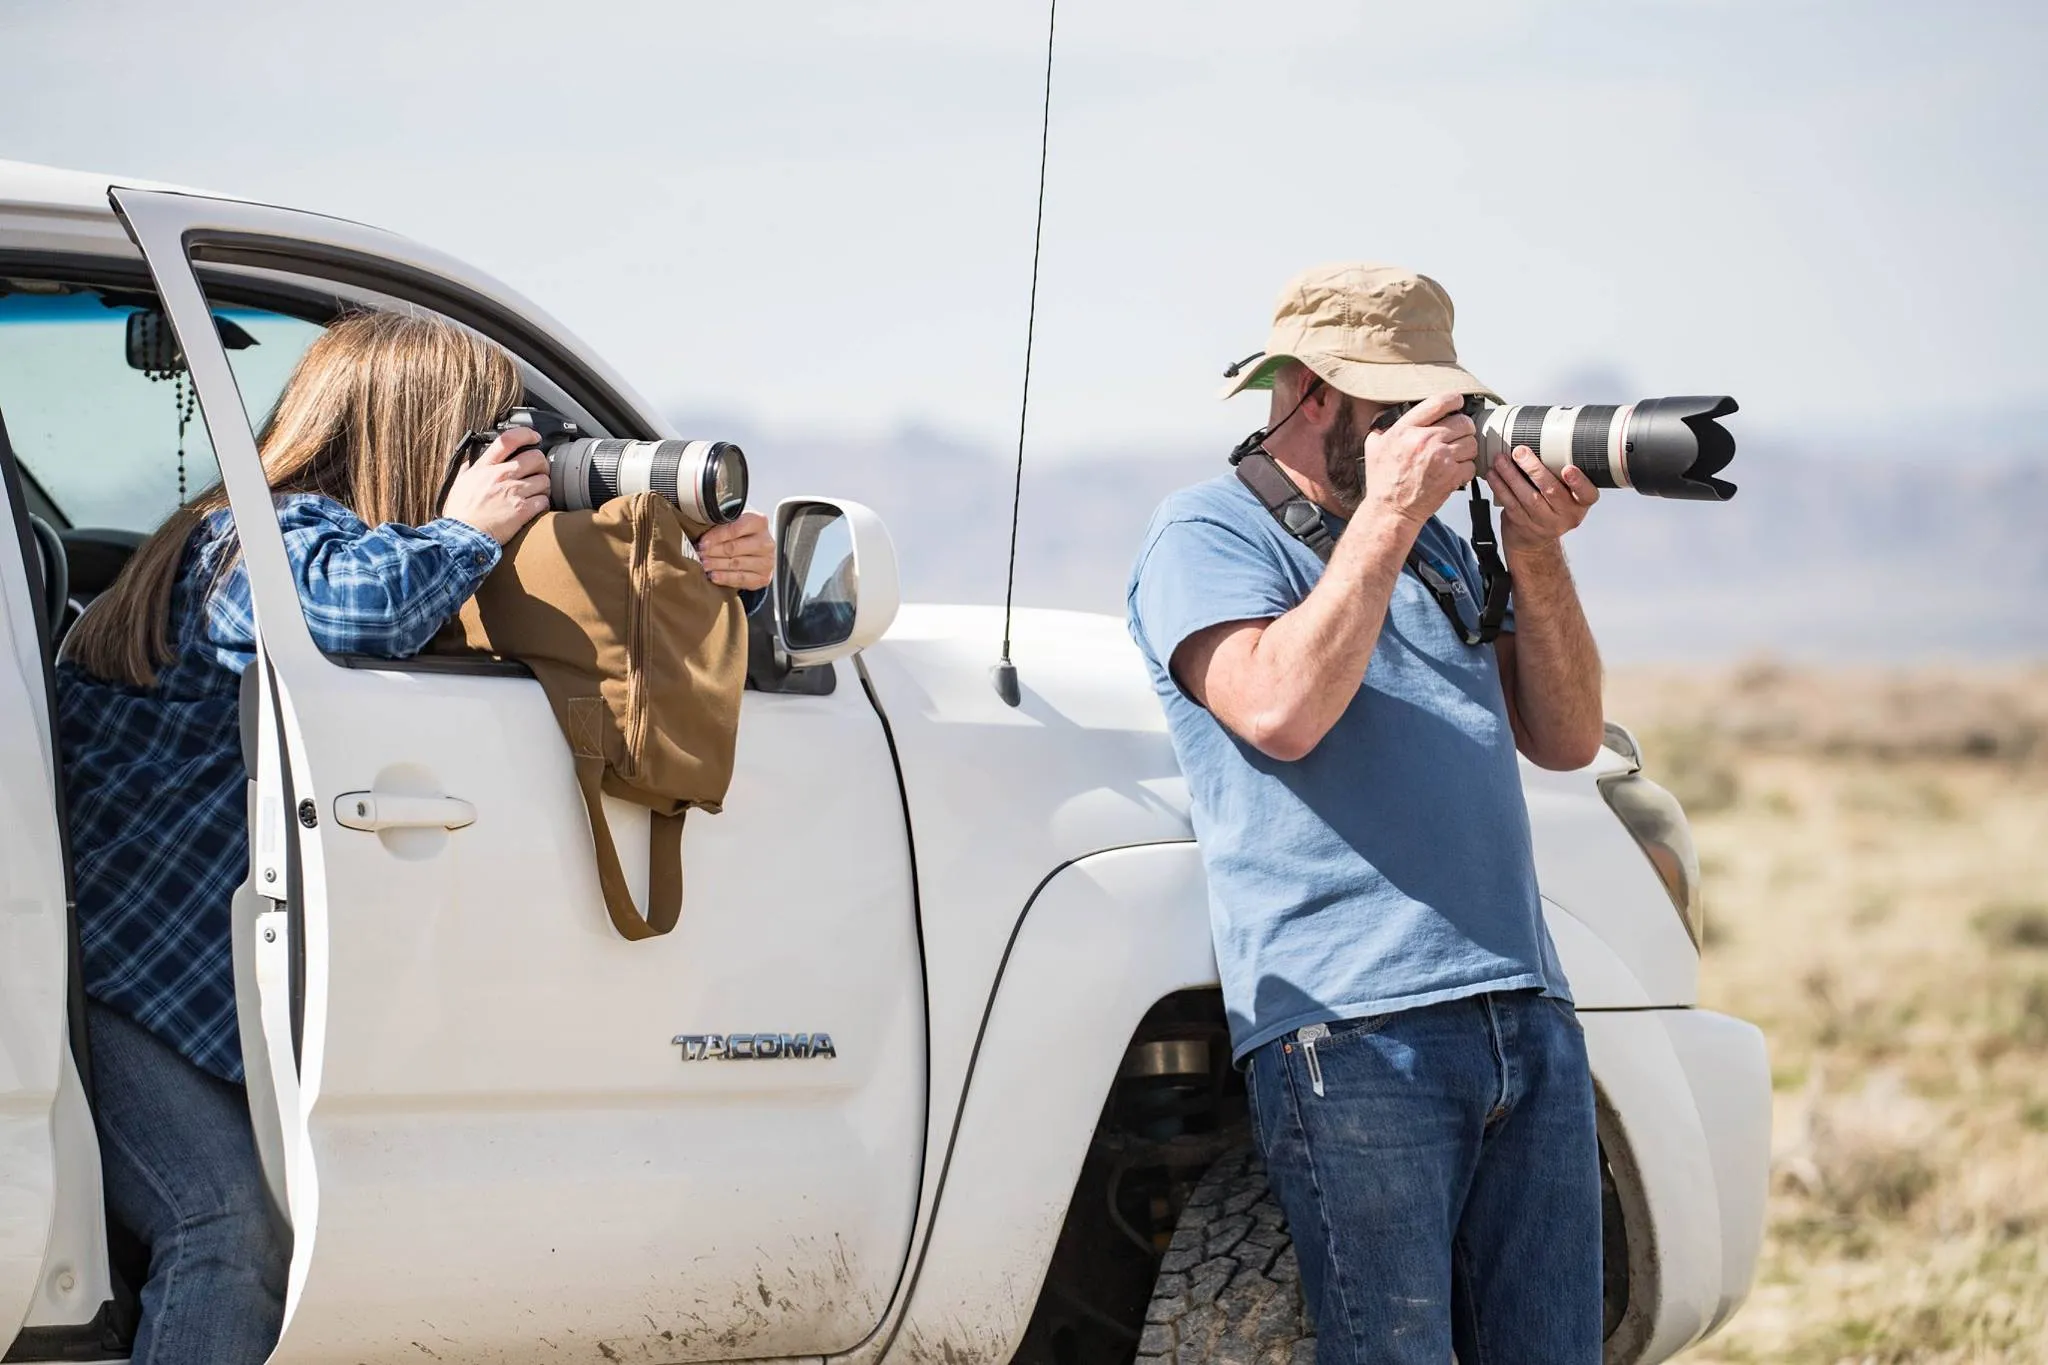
(1308, 664)
(1556, 673)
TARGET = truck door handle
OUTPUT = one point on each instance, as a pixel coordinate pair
(376, 811)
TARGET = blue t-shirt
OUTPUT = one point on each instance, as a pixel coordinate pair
(1389, 868)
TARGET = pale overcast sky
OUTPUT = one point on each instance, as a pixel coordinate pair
(820, 215)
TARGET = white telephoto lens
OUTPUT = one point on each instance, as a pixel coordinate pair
(1593, 438)
(705, 480)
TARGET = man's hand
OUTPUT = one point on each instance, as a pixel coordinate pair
(1413, 466)
(739, 554)
(1536, 506)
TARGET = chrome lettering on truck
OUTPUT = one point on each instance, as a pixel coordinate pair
(753, 1047)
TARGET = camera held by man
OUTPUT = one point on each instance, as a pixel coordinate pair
(1662, 447)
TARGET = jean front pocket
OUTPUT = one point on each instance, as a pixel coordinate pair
(1315, 1041)
(1344, 1031)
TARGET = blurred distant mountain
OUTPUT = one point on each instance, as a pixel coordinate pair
(1903, 546)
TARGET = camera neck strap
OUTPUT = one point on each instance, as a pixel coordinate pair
(1301, 518)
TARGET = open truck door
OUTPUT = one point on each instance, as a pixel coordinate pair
(487, 1119)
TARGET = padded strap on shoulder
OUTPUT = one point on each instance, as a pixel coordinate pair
(664, 862)
(1291, 507)
(1302, 519)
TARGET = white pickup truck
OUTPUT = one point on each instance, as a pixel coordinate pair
(934, 1071)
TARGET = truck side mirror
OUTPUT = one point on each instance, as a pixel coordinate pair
(835, 589)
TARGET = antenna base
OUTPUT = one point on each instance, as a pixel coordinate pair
(1004, 676)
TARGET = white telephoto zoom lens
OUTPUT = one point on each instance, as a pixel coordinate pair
(1662, 447)
(1593, 437)
(706, 480)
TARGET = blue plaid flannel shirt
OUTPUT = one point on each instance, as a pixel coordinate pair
(154, 777)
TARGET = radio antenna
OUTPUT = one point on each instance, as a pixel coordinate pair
(1005, 672)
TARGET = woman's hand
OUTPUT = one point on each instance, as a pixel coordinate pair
(505, 488)
(739, 554)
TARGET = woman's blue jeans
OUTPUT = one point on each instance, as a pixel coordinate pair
(1443, 1189)
(181, 1173)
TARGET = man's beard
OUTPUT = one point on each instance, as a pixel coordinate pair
(1344, 461)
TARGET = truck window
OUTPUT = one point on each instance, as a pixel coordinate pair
(100, 436)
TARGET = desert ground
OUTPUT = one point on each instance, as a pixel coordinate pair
(1875, 856)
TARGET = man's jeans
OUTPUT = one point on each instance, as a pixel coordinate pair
(1441, 1177)
(182, 1174)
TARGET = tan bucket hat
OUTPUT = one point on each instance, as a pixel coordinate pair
(1373, 331)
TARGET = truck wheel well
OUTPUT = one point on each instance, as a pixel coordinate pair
(1631, 1273)
(1175, 1106)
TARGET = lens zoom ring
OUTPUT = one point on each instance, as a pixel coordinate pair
(1589, 442)
(604, 470)
(1527, 429)
(662, 467)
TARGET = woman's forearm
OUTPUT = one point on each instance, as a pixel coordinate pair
(387, 592)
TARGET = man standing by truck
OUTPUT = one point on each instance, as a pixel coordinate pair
(1347, 714)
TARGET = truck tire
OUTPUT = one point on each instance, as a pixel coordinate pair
(1229, 1290)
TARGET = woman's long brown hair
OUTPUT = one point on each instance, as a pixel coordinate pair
(371, 416)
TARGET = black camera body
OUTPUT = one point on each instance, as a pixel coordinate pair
(552, 426)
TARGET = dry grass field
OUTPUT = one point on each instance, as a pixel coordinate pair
(1875, 849)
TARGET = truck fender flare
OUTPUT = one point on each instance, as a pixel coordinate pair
(1102, 940)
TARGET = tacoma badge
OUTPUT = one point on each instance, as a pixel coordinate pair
(753, 1047)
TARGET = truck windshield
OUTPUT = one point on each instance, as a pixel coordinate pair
(99, 435)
